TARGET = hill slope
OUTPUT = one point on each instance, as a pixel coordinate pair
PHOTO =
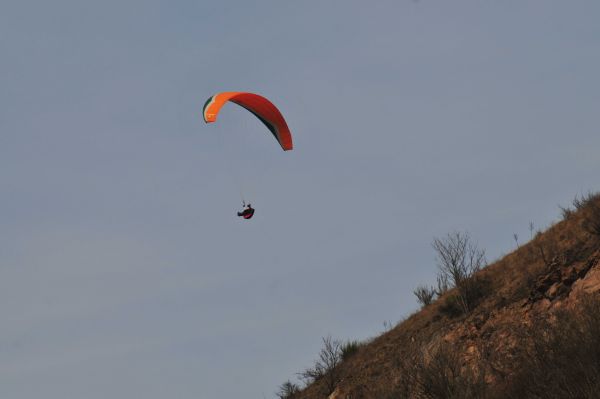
(534, 333)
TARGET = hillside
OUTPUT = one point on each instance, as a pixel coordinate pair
(534, 331)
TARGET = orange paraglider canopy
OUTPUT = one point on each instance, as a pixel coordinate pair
(262, 108)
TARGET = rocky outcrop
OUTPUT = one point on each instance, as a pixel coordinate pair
(562, 280)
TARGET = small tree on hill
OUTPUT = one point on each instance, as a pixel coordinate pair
(459, 259)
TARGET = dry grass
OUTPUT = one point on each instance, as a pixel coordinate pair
(560, 357)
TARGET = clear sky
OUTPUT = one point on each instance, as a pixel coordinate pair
(124, 272)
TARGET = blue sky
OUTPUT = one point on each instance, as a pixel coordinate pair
(123, 269)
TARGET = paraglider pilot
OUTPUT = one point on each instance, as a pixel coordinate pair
(247, 213)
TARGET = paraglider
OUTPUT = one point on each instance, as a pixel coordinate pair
(260, 107)
(246, 213)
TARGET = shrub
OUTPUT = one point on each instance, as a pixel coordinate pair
(459, 259)
(591, 209)
(562, 359)
(287, 390)
(425, 295)
(444, 376)
(548, 248)
(589, 204)
(325, 367)
(442, 285)
(585, 200)
(436, 374)
(566, 212)
(349, 349)
(451, 306)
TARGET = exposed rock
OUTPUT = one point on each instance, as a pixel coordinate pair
(589, 284)
(335, 394)
(553, 290)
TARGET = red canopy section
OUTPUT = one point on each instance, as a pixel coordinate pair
(262, 108)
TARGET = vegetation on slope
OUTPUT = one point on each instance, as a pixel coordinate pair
(527, 326)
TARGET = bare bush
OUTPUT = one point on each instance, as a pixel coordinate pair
(566, 212)
(442, 285)
(325, 367)
(458, 260)
(591, 206)
(548, 248)
(287, 390)
(585, 200)
(425, 295)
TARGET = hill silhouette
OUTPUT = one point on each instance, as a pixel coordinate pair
(530, 329)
